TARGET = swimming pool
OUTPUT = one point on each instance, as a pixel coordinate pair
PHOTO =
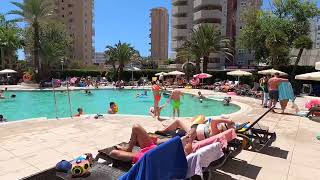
(33, 104)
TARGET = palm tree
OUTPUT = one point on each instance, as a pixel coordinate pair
(33, 12)
(10, 40)
(121, 53)
(205, 40)
(301, 43)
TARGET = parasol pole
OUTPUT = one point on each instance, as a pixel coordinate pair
(55, 99)
(69, 100)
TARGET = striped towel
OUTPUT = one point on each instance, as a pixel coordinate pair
(286, 91)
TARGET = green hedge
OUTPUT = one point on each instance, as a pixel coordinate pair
(94, 73)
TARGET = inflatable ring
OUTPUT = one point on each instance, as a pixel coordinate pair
(200, 119)
(116, 108)
(27, 77)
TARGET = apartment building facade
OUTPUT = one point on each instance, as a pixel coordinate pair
(223, 14)
(243, 57)
(159, 34)
(310, 57)
(78, 17)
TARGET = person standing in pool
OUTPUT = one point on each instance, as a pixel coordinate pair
(175, 98)
(1, 95)
(156, 89)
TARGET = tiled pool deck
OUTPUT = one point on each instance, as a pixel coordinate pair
(28, 147)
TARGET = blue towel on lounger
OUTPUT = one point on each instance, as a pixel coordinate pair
(285, 91)
(165, 162)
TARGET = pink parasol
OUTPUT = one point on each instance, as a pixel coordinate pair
(203, 76)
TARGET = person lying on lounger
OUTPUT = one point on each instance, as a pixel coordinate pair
(140, 137)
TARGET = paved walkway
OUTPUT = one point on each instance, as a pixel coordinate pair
(31, 146)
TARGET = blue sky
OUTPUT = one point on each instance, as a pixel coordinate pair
(125, 20)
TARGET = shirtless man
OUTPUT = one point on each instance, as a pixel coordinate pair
(156, 89)
(273, 84)
(175, 98)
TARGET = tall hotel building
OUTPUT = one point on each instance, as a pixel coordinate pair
(159, 34)
(78, 17)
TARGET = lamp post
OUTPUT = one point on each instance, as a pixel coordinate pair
(62, 61)
(201, 64)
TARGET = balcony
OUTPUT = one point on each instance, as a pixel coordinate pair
(179, 9)
(177, 44)
(215, 25)
(198, 4)
(177, 2)
(179, 21)
(210, 16)
(180, 33)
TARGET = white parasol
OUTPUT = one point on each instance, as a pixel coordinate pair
(314, 76)
(239, 73)
(175, 73)
(8, 71)
(272, 72)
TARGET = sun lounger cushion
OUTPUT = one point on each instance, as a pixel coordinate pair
(223, 138)
(202, 158)
(165, 162)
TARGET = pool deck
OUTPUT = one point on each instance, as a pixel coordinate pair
(28, 147)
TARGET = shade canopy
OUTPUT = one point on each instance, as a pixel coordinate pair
(8, 71)
(239, 73)
(161, 73)
(317, 66)
(203, 76)
(314, 76)
(175, 73)
(272, 72)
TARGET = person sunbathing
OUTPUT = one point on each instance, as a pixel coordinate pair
(199, 131)
(140, 137)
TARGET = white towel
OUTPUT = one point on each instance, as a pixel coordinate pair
(202, 159)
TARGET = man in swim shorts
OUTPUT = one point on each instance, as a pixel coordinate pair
(175, 98)
(273, 84)
(156, 89)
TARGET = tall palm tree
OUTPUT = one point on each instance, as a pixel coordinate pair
(205, 40)
(33, 12)
(10, 40)
(121, 53)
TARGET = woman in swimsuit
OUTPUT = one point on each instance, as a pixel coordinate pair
(157, 97)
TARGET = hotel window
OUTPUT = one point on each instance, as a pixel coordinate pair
(70, 13)
(63, 16)
(71, 20)
(62, 0)
(70, 5)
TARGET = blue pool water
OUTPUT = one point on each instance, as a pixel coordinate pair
(33, 104)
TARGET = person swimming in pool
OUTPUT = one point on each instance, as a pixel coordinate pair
(113, 109)
(175, 98)
(80, 112)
